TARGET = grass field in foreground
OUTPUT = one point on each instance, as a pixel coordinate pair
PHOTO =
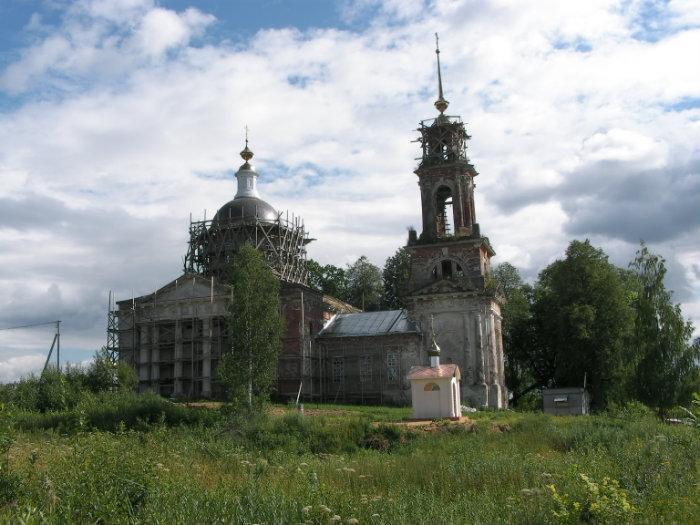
(340, 464)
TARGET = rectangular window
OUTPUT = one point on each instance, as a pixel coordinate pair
(365, 369)
(392, 367)
(338, 370)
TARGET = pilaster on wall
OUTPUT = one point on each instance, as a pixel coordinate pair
(473, 343)
(178, 388)
(206, 357)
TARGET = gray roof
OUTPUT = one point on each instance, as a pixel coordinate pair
(369, 324)
(246, 208)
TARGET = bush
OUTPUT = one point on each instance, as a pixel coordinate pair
(603, 502)
(111, 411)
(630, 411)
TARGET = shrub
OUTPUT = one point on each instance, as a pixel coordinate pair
(630, 411)
(111, 411)
(603, 502)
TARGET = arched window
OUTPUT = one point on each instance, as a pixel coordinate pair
(443, 210)
(447, 269)
(431, 387)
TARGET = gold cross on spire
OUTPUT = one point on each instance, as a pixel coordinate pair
(247, 154)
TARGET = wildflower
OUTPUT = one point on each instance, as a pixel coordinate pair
(335, 517)
(306, 509)
(324, 509)
(352, 521)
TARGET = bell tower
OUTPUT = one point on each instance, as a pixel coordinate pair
(451, 260)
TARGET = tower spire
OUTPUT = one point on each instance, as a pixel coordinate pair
(441, 104)
(246, 174)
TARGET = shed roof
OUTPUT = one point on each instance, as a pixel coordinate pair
(369, 324)
(438, 372)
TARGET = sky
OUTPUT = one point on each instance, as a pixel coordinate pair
(119, 118)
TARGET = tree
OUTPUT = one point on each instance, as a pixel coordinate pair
(507, 278)
(583, 321)
(667, 364)
(365, 284)
(248, 369)
(328, 279)
(395, 275)
(103, 374)
(517, 326)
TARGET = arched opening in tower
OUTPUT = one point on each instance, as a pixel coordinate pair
(444, 211)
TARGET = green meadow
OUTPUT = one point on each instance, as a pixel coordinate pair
(140, 459)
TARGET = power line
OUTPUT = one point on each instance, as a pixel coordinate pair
(28, 325)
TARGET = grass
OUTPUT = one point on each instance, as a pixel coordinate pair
(344, 464)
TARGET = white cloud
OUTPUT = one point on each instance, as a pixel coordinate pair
(146, 128)
(16, 367)
(162, 29)
(624, 146)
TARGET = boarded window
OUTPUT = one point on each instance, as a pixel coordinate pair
(392, 367)
(338, 370)
(431, 387)
(365, 369)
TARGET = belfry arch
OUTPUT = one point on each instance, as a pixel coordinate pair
(444, 207)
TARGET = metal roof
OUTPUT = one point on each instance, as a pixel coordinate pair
(437, 372)
(246, 208)
(369, 323)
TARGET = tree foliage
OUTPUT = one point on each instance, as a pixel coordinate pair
(365, 284)
(583, 321)
(329, 279)
(395, 276)
(667, 362)
(103, 374)
(248, 370)
(517, 329)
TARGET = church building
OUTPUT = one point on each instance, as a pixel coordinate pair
(450, 265)
(332, 352)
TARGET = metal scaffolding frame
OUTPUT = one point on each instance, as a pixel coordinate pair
(282, 241)
(443, 140)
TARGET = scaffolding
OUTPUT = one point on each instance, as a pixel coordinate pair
(281, 240)
(443, 140)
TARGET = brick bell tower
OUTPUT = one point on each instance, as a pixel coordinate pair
(451, 261)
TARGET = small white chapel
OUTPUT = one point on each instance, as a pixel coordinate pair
(435, 392)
